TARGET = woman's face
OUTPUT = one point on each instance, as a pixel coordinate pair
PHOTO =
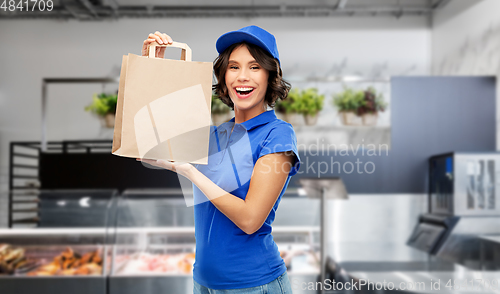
(246, 80)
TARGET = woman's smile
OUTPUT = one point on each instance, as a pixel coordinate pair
(244, 92)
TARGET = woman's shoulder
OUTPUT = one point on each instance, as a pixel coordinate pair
(280, 126)
(279, 132)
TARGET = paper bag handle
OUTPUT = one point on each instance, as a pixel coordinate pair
(186, 54)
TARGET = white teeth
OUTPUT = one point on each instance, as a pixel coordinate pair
(243, 89)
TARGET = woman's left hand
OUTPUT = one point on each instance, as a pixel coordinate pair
(178, 167)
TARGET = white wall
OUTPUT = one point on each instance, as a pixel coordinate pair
(31, 50)
(466, 41)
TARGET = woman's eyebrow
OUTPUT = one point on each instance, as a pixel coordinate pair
(234, 61)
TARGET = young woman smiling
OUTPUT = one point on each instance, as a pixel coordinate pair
(251, 160)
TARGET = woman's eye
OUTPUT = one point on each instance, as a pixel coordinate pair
(254, 67)
(233, 67)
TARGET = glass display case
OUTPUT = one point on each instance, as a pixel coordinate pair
(69, 251)
(154, 243)
(145, 243)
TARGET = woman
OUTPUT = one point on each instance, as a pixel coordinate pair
(251, 160)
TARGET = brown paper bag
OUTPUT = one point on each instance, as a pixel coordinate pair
(163, 109)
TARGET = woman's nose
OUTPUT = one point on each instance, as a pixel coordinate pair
(243, 75)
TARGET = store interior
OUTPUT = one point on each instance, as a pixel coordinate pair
(410, 195)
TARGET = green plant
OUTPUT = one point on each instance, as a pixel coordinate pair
(349, 100)
(360, 101)
(289, 105)
(310, 102)
(103, 104)
(305, 102)
(279, 106)
(373, 102)
(218, 107)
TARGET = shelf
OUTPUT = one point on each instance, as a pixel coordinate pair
(138, 230)
(300, 128)
(296, 229)
(51, 231)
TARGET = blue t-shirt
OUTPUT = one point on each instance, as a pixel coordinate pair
(226, 256)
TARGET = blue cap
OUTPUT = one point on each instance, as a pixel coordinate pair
(251, 34)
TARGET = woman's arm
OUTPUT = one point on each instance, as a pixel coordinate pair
(268, 178)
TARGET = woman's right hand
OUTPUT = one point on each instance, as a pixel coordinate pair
(160, 38)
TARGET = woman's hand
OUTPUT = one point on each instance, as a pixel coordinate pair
(180, 168)
(160, 38)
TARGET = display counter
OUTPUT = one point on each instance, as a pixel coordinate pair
(146, 246)
(54, 260)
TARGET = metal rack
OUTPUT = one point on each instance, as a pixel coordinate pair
(23, 181)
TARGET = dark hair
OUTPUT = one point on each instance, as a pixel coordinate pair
(277, 88)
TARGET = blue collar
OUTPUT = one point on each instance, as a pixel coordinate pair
(261, 119)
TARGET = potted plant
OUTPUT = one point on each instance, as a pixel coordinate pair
(220, 111)
(289, 107)
(348, 102)
(372, 104)
(104, 107)
(279, 109)
(310, 104)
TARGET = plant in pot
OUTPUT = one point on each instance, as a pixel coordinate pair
(220, 111)
(279, 109)
(104, 107)
(373, 104)
(348, 102)
(310, 104)
(289, 108)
